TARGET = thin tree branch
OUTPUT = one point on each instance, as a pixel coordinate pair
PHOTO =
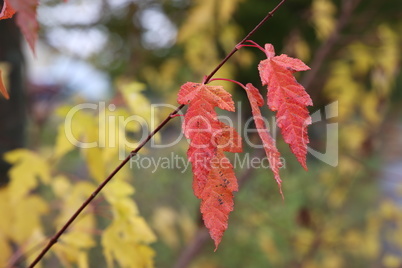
(56, 237)
(267, 17)
(348, 6)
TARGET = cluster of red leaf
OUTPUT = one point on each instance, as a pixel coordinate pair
(214, 180)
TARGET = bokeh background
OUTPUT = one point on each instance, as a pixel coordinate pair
(124, 55)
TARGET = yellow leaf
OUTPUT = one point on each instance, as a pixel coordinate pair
(33, 246)
(303, 241)
(198, 18)
(302, 49)
(5, 212)
(200, 52)
(323, 12)
(140, 231)
(113, 132)
(187, 226)
(63, 145)
(27, 167)
(336, 197)
(332, 260)
(341, 86)
(78, 239)
(74, 245)
(60, 186)
(348, 166)
(116, 190)
(118, 247)
(27, 218)
(390, 53)
(371, 246)
(123, 208)
(95, 164)
(370, 108)
(229, 36)
(352, 240)
(141, 118)
(353, 137)
(83, 260)
(164, 222)
(268, 246)
(391, 261)
(330, 235)
(362, 57)
(63, 110)
(73, 197)
(226, 9)
(69, 255)
(389, 210)
(6, 251)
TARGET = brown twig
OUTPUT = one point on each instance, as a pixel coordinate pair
(348, 6)
(56, 237)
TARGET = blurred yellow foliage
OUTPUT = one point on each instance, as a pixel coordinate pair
(268, 246)
(164, 222)
(391, 261)
(126, 238)
(303, 241)
(323, 17)
(27, 168)
(21, 212)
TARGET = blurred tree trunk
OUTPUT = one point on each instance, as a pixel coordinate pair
(12, 111)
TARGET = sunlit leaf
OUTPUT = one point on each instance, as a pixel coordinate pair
(27, 168)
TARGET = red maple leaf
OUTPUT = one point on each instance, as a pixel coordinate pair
(213, 177)
(26, 18)
(201, 126)
(7, 12)
(289, 98)
(272, 153)
(217, 197)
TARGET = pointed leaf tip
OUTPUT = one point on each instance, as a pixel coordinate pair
(7, 11)
(269, 50)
